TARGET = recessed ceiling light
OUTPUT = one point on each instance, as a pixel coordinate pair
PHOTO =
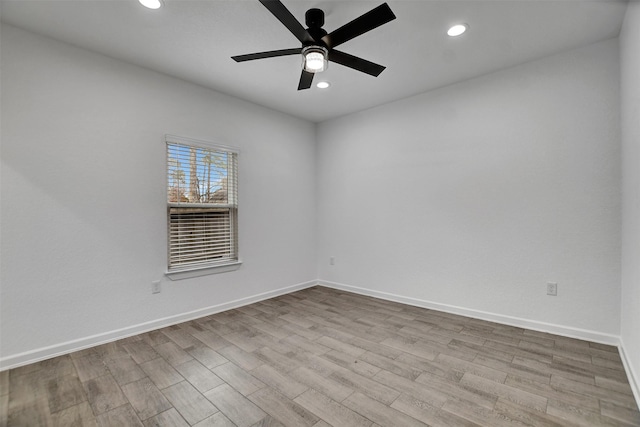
(323, 85)
(151, 4)
(457, 30)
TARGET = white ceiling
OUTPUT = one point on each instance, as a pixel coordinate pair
(194, 40)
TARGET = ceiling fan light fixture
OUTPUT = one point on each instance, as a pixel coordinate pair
(151, 4)
(314, 59)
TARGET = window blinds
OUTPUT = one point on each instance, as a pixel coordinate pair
(202, 204)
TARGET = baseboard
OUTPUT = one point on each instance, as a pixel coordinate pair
(631, 374)
(44, 353)
(535, 325)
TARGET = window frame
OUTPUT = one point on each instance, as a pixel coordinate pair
(213, 267)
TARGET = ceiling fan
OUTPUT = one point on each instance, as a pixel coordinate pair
(318, 45)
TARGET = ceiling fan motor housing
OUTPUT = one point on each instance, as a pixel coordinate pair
(314, 18)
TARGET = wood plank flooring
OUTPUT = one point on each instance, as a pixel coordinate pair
(322, 357)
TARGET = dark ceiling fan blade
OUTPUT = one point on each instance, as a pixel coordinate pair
(356, 63)
(367, 22)
(268, 54)
(282, 13)
(305, 80)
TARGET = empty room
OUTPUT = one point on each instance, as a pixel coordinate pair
(319, 213)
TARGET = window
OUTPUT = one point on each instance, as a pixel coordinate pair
(202, 206)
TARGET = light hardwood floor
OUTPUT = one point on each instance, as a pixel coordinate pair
(321, 357)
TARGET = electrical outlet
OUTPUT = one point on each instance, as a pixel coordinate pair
(332, 260)
(155, 287)
(552, 289)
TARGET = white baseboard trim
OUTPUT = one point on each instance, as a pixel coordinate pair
(535, 325)
(631, 374)
(44, 353)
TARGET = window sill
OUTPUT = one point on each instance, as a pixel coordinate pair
(203, 271)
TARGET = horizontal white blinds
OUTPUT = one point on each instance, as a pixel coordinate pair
(200, 236)
(202, 206)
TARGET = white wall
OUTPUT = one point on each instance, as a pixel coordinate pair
(83, 214)
(477, 194)
(630, 94)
